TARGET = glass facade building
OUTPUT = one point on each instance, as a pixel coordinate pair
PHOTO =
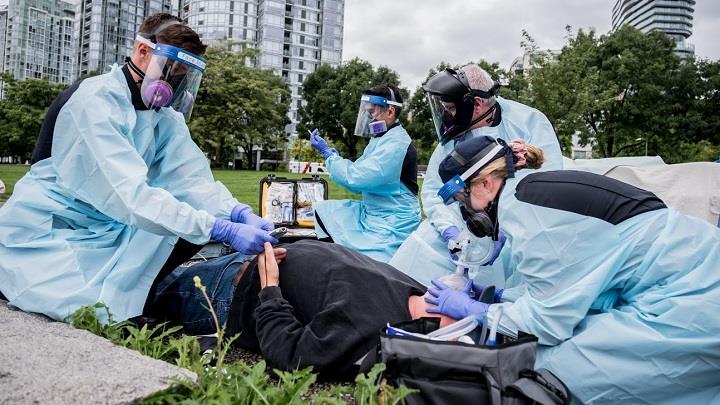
(293, 37)
(673, 17)
(106, 29)
(37, 40)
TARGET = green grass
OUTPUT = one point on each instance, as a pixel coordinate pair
(243, 184)
(229, 383)
(10, 174)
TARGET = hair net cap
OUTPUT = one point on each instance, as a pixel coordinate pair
(466, 153)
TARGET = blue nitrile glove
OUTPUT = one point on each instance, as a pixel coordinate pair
(243, 214)
(479, 288)
(244, 238)
(317, 142)
(497, 248)
(453, 303)
(451, 233)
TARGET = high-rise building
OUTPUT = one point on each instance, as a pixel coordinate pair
(292, 37)
(673, 17)
(106, 29)
(36, 37)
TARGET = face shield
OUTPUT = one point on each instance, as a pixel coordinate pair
(172, 78)
(369, 122)
(452, 103)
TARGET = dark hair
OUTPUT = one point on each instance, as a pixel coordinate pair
(179, 35)
(384, 91)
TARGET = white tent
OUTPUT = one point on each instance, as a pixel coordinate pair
(691, 188)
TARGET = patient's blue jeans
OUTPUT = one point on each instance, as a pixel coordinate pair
(179, 301)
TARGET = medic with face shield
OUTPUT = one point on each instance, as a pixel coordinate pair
(118, 194)
(385, 174)
(622, 291)
(464, 105)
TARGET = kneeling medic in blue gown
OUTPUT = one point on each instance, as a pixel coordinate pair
(464, 105)
(119, 194)
(385, 174)
(622, 291)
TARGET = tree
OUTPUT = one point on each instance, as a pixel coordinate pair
(22, 111)
(238, 105)
(625, 86)
(420, 125)
(332, 96)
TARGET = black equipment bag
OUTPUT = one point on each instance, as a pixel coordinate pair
(447, 372)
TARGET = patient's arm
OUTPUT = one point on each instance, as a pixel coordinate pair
(324, 343)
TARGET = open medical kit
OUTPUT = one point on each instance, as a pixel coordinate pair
(290, 203)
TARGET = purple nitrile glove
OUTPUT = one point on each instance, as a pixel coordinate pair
(479, 288)
(453, 303)
(317, 142)
(243, 214)
(451, 232)
(497, 247)
(244, 238)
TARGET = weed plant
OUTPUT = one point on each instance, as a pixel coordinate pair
(231, 383)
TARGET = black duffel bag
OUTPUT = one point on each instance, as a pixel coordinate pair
(447, 372)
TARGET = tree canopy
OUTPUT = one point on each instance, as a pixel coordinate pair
(623, 89)
(332, 96)
(238, 106)
(22, 111)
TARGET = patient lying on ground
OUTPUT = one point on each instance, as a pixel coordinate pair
(322, 306)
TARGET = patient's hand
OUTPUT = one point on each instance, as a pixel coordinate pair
(268, 266)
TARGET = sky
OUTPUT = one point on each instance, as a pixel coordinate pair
(412, 36)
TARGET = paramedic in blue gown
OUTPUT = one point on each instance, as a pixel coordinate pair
(464, 105)
(118, 194)
(622, 291)
(385, 175)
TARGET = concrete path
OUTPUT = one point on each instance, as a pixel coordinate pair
(46, 362)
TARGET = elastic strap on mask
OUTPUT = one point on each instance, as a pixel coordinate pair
(487, 156)
(132, 66)
(484, 115)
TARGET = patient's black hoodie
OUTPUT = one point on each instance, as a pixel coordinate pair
(328, 311)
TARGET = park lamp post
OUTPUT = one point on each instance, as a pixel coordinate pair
(646, 143)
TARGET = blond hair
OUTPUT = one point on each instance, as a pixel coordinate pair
(498, 167)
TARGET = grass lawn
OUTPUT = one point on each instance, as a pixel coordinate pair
(243, 184)
(10, 174)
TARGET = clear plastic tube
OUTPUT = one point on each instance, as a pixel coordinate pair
(457, 329)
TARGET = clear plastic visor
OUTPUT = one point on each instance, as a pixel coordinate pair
(171, 81)
(443, 114)
(370, 111)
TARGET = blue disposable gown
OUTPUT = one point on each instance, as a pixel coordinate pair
(388, 212)
(97, 220)
(424, 255)
(628, 313)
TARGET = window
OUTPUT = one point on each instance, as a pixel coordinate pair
(303, 14)
(302, 27)
(301, 65)
(302, 52)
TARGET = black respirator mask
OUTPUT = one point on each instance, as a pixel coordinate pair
(450, 86)
(484, 222)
